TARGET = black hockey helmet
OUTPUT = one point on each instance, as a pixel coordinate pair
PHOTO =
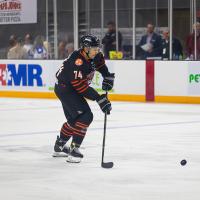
(89, 41)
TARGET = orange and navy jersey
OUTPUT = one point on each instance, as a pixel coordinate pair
(77, 72)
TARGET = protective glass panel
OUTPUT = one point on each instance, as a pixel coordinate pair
(13, 37)
(181, 28)
(65, 28)
(151, 20)
(118, 29)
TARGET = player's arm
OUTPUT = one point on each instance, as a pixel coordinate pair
(82, 87)
(108, 78)
(80, 84)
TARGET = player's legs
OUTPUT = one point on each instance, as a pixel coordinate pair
(60, 147)
(79, 127)
(66, 132)
(78, 115)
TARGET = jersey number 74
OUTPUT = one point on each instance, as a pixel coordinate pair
(78, 74)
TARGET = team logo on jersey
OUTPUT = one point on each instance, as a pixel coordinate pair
(79, 62)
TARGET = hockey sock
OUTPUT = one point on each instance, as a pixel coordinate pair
(79, 131)
(66, 132)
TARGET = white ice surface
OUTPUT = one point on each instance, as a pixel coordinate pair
(146, 142)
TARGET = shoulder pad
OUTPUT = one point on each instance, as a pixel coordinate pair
(75, 54)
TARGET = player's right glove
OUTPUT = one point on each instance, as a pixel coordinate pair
(108, 82)
(104, 103)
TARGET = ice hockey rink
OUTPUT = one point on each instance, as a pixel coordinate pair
(146, 142)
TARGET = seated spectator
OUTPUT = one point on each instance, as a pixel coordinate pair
(48, 48)
(69, 48)
(12, 42)
(109, 40)
(28, 45)
(150, 44)
(16, 51)
(177, 49)
(39, 51)
(62, 53)
(190, 40)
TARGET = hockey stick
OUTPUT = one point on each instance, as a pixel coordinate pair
(105, 164)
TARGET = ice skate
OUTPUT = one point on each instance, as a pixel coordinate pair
(75, 156)
(60, 148)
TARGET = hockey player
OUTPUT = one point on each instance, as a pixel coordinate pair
(73, 88)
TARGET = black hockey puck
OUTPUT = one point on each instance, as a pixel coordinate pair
(183, 162)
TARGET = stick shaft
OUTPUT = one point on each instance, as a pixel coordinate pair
(104, 134)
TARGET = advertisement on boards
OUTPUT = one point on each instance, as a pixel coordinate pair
(39, 76)
(194, 78)
(25, 76)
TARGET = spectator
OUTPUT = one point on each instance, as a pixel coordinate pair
(28, 45)
(16, 50)
(39, 51)
(12, 41)
(62, 53)
(69, 48)
(150, 44)
(177, 49)
(109, 40)
(48, 48)
(190, 40)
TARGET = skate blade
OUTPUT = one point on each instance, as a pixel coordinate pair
(59, 154)
(71, 159)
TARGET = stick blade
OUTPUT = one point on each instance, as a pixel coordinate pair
(107, 165)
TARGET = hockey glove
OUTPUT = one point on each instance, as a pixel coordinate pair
(104, 104)
(108, 82)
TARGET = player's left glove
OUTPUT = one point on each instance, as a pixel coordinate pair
(104, 103)
(108, 82)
